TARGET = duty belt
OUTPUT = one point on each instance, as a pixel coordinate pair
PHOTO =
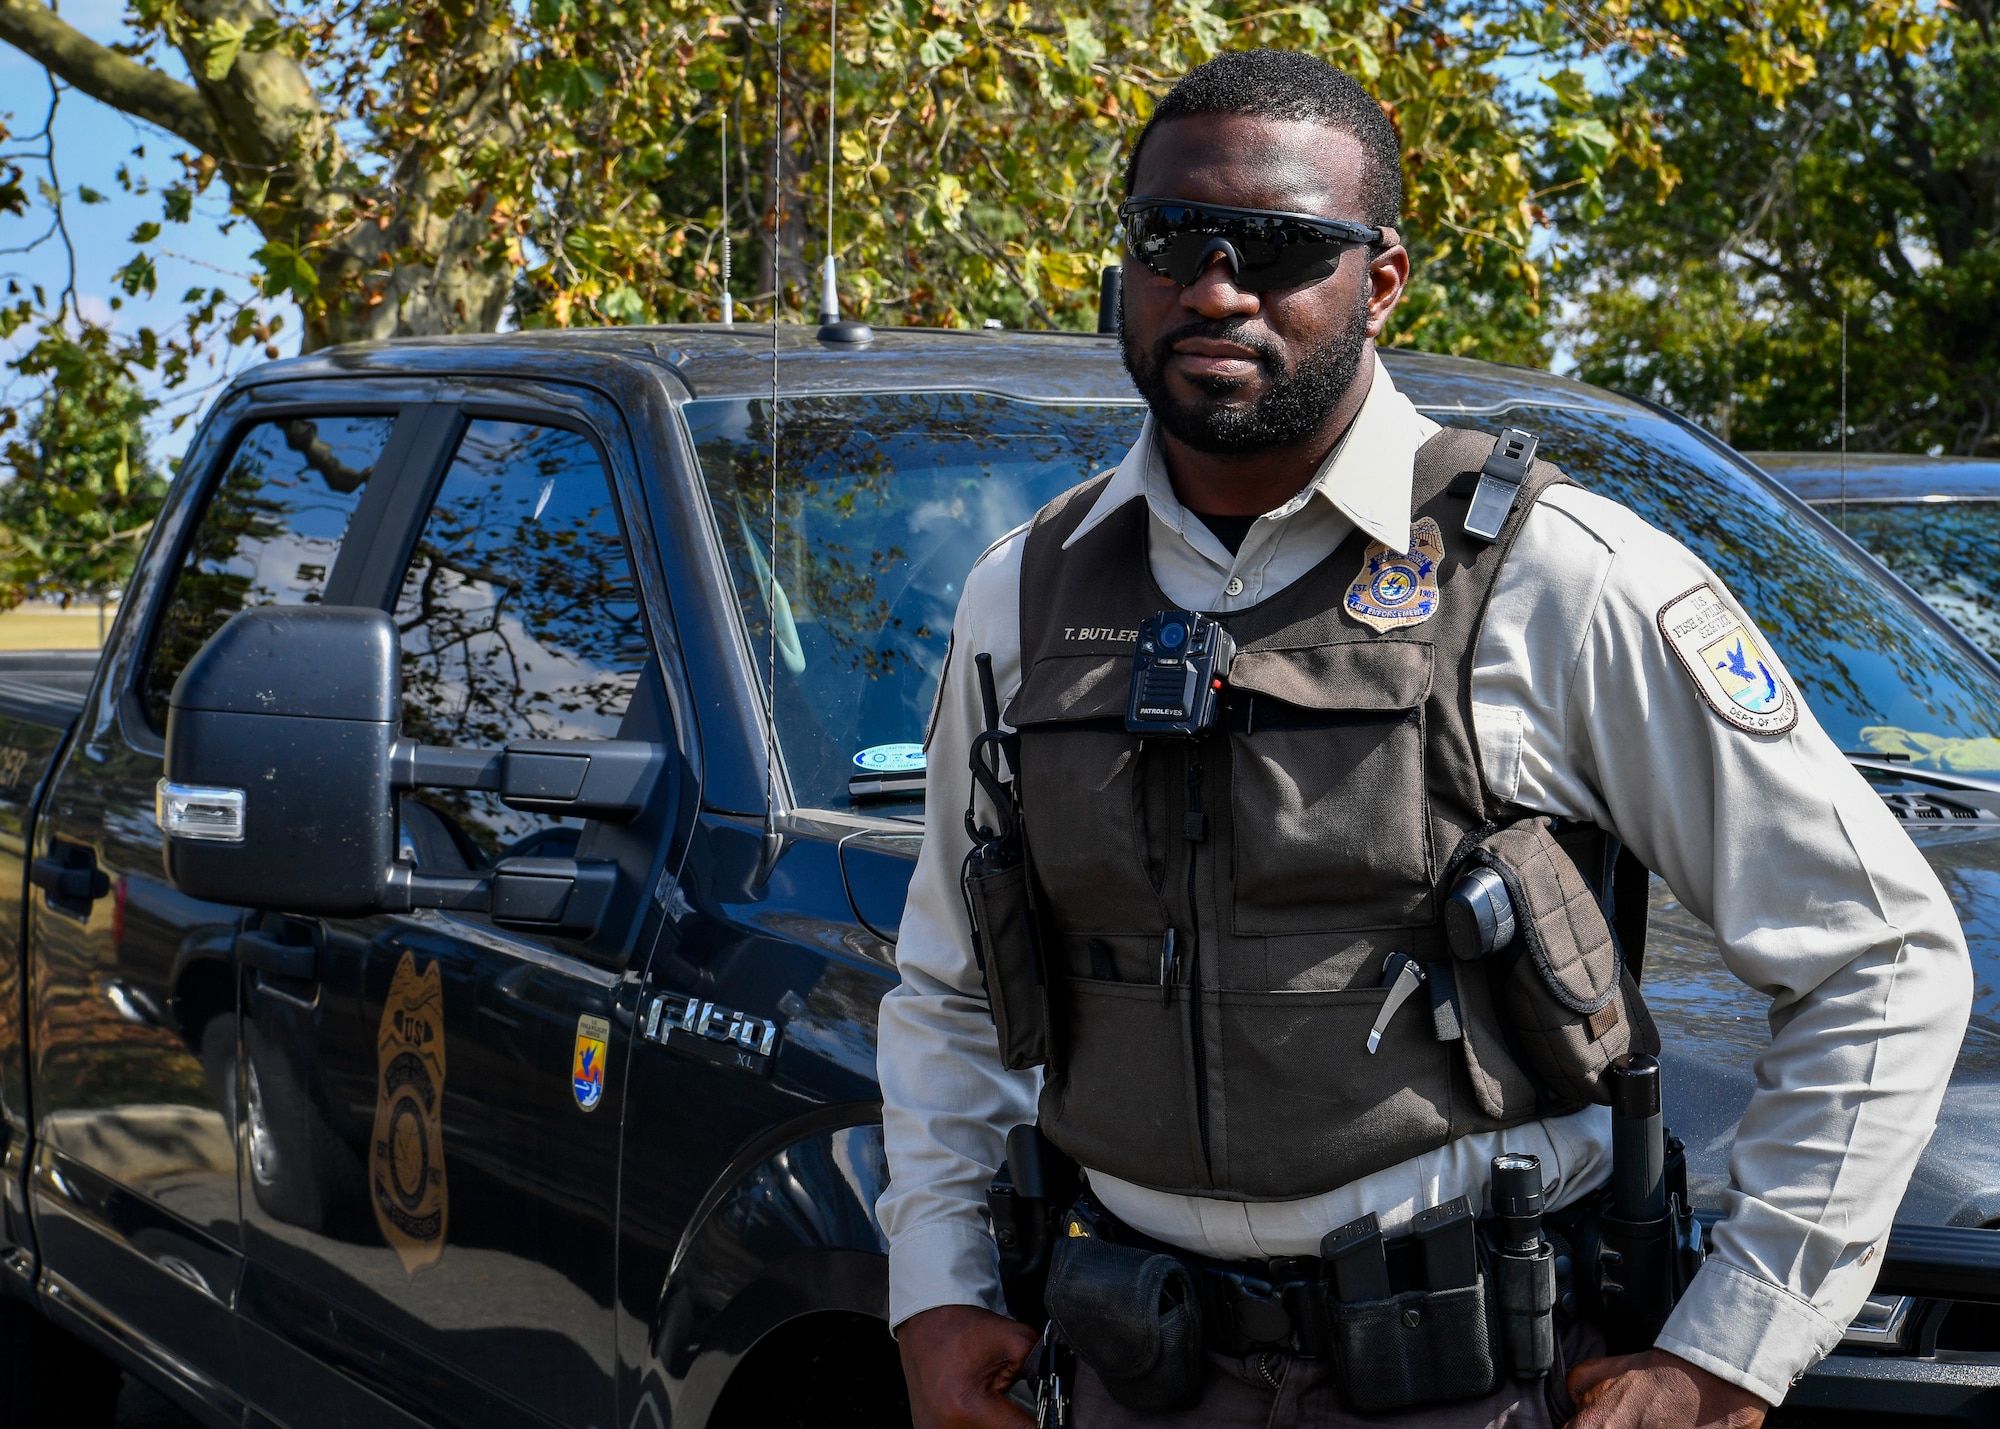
(1282, 1305)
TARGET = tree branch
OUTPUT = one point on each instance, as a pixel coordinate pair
(126, 85)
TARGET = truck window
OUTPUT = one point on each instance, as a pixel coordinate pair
(267, 536)
(519, 619)
(884, 501)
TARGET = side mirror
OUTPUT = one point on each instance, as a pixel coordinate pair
(285, 762)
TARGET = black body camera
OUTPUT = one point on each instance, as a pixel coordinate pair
(1178, 667)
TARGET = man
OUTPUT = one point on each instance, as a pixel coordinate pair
(1277, 444)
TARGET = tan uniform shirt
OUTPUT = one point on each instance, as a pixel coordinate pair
(1581, 710)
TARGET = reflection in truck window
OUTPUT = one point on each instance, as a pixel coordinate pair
(268, 535)
(519, 618)
(884, 503)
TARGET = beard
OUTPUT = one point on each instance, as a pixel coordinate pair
(1295, 400)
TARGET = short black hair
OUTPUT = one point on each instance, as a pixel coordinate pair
(1285, 84)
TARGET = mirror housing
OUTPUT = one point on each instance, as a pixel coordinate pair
(293, 711)
(285, 763)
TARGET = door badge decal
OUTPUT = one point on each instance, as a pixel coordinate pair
(406, 1181)
(593, 1042)
(1394, 592)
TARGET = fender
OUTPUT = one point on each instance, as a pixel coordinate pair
(790, 1230)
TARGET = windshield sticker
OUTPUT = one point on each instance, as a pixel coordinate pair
(891, 758)
(1395, 592)
(1728, 663)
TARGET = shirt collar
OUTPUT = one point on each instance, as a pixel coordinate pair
(1366, 476)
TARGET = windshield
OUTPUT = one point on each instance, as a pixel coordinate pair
(885, 501)
(1948, 551)
(1880, 679)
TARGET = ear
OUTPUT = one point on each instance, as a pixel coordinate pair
(1388, 275)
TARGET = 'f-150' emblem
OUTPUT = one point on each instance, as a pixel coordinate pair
(716, 1034)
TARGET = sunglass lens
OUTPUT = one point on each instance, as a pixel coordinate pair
(1172, 240)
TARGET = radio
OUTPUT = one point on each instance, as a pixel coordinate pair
(1178, 667)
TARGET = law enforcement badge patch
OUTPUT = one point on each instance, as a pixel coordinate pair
(1728, 662)
(593, 1040)
(406, 1178)
(1394, 591)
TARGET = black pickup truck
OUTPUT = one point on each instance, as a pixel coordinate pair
(530, 1078)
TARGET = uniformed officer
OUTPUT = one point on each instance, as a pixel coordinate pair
(1279, 458)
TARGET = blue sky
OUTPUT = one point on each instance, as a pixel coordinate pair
(91, 141)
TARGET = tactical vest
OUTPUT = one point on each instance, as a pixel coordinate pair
(1290, 853)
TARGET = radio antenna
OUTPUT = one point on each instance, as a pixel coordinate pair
(1843, 417)
(728, 300)
(773, 843)
(832, 329)
(829, 288)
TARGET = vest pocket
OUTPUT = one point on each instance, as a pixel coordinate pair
(1331, 820)
(1080, 796)
(1306, 1107)
(1121, 1097)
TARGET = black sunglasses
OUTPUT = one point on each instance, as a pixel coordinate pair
(1264, 248)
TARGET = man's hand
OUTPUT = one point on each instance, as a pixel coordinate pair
(1657, 1390)
(960, 1361)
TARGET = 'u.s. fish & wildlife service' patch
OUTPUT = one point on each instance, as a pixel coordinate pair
(1728, 663)
(1395, 592)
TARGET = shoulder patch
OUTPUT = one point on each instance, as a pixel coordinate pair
(1394, 592)
(1728, 663)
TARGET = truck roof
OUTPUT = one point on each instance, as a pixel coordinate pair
(715, 361)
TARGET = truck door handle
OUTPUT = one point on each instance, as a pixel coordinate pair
(69, 874)
(278, 950)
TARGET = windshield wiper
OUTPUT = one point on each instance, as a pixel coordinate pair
(1903, 769)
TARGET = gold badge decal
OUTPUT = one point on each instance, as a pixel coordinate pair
(1394, 592)
(406, 1153)
(1734, 673)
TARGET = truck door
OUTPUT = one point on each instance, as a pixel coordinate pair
(131, 989)
(433, 1100)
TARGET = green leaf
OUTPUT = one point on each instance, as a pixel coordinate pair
(1313, 21)
(145, 233)
(138, 276)
(941, 47)
(550, 13)
(178, 202)
(623, 304)
(86, 194)
(1591, 139)
(221, 42)
(1085, 49)
(569, 84)
(1572, 91)
(286, 271)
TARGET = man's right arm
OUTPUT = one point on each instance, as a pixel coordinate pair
(947, 1103)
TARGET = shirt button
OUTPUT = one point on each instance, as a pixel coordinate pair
(1235, 586)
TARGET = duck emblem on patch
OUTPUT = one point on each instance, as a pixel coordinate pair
(1394, 592)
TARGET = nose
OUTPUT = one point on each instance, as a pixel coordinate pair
(1214, 293)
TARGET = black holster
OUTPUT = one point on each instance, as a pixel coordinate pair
(1131, 1314)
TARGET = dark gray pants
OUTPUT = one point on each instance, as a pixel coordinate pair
(1279, 1392)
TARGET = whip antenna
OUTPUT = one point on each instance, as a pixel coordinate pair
(832, 328)
(728, 301)
(1843, 417)
(773, 841)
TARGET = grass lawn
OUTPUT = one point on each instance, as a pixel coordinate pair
(38, 627)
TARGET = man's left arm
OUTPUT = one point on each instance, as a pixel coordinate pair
(1817, 897)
